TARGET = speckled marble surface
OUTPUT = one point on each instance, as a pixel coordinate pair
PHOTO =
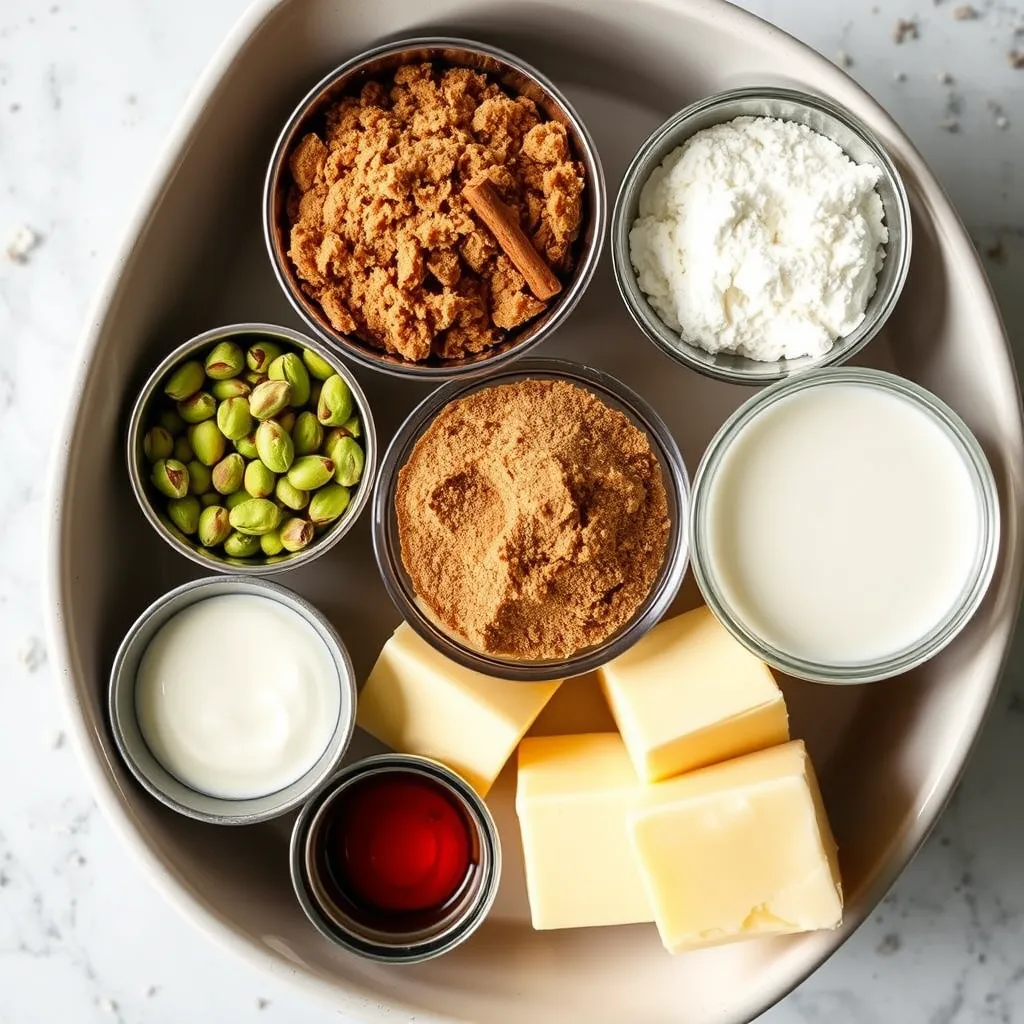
(88, 89)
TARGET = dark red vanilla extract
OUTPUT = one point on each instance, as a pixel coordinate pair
(398, 848)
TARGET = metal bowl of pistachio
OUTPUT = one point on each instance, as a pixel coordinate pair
(252, 449)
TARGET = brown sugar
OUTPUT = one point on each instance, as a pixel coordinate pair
(533, 519)
(381, 235)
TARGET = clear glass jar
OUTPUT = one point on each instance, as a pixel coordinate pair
(388, 551)
(961, 610)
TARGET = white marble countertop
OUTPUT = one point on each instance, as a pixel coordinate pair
(88, 89)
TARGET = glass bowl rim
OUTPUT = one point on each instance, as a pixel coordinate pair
(677, 128)
(677, 553)
(986, 493)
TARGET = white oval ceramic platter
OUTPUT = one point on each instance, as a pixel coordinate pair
(888, 754)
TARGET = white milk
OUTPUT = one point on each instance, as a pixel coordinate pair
(842, 524)
(237, 696)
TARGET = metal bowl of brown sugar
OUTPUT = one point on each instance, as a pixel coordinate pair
(452, 291)
(512, 559)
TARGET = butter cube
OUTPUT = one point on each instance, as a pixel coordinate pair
(738, 850)
(573, 797)
(419, 702)
(689, 694)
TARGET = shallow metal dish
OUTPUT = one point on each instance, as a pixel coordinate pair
(461, 918)
(147, 769)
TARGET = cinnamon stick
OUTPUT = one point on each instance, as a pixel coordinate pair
(504, 225)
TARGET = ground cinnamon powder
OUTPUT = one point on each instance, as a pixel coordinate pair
(381, 236)
(533, 519)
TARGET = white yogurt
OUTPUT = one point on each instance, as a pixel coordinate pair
(237, 696)
(842, 524)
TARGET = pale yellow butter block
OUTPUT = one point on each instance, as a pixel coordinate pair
(573, 797)
(689, 694)
(419, 702)
(738, 850)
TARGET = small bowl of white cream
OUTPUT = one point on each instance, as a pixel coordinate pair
(844, 525)
(232, 699)
(759, 233)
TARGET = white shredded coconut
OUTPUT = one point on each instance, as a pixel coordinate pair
(760, 237)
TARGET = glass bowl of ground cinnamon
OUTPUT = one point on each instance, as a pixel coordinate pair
(532, 524)
(434, 208)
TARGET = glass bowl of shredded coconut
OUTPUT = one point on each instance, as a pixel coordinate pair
(759, 233)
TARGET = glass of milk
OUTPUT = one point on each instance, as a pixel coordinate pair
(845, 525)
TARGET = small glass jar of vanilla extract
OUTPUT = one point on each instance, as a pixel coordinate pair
(396, 858)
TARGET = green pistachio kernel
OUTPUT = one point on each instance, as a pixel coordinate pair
(259, 481)
(170, 477)
(200, 479)
(255, 516)
(296, 534)
(207, 442)
(318, 366)
(224, 361)
(246, 446)
(307, 434)
(235, 498)
(291, 368)
(348, 459)
(185, 381)
(271, 543)
(184, 513)
(336, 403)
(233, 387)
(269, 398)
(274, 446)
(183, 450)
(228, 473)
(198, 407)
(261, 355)
(310, 472)
(233, 418)
(158, 444)
(238, 545)
(328, 504)
(214, 526)
(290, 496)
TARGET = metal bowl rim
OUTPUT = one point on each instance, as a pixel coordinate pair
(321, 544)
(668, 341)
(233, 812)
(565, 302)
